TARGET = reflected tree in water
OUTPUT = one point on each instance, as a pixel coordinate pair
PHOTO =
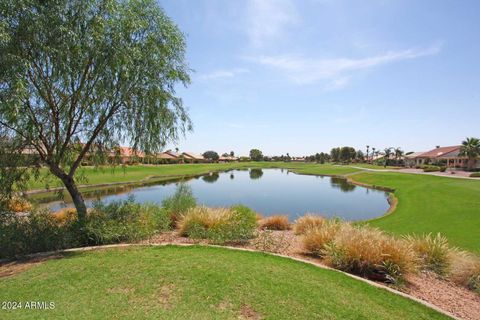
(211, 178)
(256, 174)
(342, 184)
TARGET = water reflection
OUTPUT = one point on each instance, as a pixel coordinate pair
(211, 178)
(256, 173)
(273, 192)
(342, 184)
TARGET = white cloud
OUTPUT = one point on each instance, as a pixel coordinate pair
(337, 71)
(223, 73)
(267, 20)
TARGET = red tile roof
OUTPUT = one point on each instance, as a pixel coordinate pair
(437, 152)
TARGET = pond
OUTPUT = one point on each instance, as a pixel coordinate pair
(267, 191)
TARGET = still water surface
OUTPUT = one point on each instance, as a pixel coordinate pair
(270, 191)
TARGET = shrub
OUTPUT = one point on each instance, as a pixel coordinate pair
(432, 251)
(303, 224)
(315, 239)
(430, 168)
(64, 216)
(219, 224)
(275, 223)
(125, 221)
(465, 270)
(37, 232)
(475, 175)
(369, 252)
(180, 202)
(18, 204)
(443, 168)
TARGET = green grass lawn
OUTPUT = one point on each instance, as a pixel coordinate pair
(431, 204)
(197, 283)
(373, 166)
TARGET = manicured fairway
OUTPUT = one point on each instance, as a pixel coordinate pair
(198, 283)
(431, 204)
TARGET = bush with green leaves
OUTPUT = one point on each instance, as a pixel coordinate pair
(127, 220)
(430, 168)
(475, 175)
(180, 202)
(37, 232)
(219, 225)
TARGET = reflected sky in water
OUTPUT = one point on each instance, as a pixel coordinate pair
(273, 191)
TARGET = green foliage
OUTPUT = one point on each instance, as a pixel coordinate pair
(471, 149)
(37, 232)
(125, 221)
(475, 175)
(256, 155)
(82, 76)
(180, 202)
(211, 155)
(430, 168)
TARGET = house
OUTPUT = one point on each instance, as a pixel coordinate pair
(412, 159)
(447, 156)
(190, 157)
(227, 159)
(168, 157)
(127, 155)
(298, 159)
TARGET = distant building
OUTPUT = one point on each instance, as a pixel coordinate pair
(191, 157)
(227, 159)
(448, 156)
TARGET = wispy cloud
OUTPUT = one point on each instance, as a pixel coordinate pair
(337, 71)
(223, 73)
(267, 20)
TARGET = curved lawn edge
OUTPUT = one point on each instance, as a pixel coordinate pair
(306, 261)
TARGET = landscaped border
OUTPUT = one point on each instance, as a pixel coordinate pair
(318, 265)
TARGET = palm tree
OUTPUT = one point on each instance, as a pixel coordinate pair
(388, 152)
(398, 153)
(368, 148)
(373, 152)
(470, 148)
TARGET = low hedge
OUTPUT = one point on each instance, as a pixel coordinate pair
(475, 175)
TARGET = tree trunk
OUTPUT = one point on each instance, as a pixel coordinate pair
(77, 199)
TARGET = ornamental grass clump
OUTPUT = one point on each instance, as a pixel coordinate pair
(307, 222)
(219, 225)
(433, 252)
(277, 222)
(369, 252)
(179, 203)
(316, 238)
(465, 270)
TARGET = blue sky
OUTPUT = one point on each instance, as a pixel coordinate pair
(304, 76)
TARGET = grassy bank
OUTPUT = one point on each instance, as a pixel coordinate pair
(431, 204)
(201, 283)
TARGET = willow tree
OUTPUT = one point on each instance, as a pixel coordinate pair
(84, 75)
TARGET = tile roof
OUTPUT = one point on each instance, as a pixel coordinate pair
(437, 152)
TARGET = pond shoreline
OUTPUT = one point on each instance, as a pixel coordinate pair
(304, 199)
